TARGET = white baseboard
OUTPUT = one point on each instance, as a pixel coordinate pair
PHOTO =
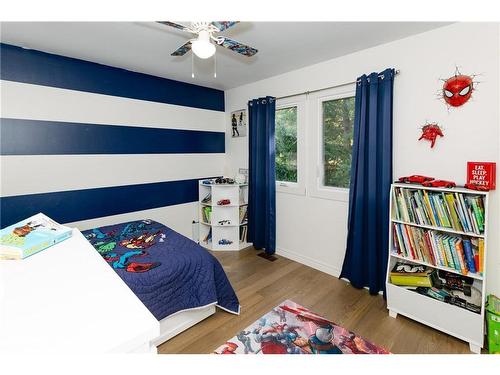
(308, 261)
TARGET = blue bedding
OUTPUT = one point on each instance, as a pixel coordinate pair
(167, 271)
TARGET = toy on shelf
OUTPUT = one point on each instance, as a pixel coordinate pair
(224, 222)
(225, 242)
(224, 202)
(426, 181)
(439, 183)
(224, 180)
(476, 187)
(415, 179)
(219, 181)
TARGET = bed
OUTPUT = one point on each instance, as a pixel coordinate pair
(180, 282)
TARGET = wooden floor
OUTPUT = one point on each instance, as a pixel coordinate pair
(262, 285)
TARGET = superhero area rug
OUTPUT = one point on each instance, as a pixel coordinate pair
(292, 329)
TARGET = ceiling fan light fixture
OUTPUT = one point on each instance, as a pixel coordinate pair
(202, 47)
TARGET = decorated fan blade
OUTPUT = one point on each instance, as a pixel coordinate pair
(182, 50)
(173, 24)
(224, 25)
(238, 47)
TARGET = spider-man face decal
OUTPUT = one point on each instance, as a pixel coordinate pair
(457, 90)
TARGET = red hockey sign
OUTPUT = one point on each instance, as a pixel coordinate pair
(481, 173)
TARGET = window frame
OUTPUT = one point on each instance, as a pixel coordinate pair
(299, 187)
(316, 187)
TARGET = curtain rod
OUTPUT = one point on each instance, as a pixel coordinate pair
(396, 72)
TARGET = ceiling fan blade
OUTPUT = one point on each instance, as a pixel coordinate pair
(182, 50)
(238, 47)
(173, 24)
(224, 25)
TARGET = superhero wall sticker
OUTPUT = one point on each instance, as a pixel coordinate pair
(456, 91)
(125, 249)
(430, 132)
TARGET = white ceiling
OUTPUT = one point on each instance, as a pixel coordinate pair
(146, 46)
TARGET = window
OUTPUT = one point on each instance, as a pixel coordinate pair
(330, 140)
(337, 124)
(286, 144)
(290, 143)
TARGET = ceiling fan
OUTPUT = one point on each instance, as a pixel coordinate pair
(204, 44)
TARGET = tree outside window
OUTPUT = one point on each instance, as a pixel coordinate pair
(286, 144)
(338, 123)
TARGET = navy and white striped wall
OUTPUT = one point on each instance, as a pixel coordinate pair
(91, 145)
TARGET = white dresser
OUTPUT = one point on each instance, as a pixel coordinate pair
(67, 299)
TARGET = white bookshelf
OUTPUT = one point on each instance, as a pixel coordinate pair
(224, 221)
(453, 320)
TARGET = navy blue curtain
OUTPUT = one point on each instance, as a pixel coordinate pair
(261, 174)
(367, 249)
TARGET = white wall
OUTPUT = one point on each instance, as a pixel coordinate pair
(50, 173)
(313, 230)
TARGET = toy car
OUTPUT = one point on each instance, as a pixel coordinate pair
(476, 187)
(225, 242)
(223, 202)
(439, 183)
(415, 179)
(224, 180)
(222, 222)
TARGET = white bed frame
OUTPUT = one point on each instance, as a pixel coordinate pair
(176, 323)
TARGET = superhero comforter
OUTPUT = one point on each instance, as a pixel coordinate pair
(167, 271)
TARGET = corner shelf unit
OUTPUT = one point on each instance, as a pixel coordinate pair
(223, 227)
(451, 319)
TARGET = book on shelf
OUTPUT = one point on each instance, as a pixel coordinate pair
(206, 213)
(31, 236)
(441, 285)
(207, 199)
(243, 233)
(480, 257)
(458, 252)
(243, 214)
(208, 236)
(411, 275)
(458, 211)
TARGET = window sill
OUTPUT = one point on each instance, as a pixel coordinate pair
(334, 194)
(290, 188)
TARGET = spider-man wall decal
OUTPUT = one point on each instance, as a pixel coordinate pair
(430, 132)
(457, 90)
